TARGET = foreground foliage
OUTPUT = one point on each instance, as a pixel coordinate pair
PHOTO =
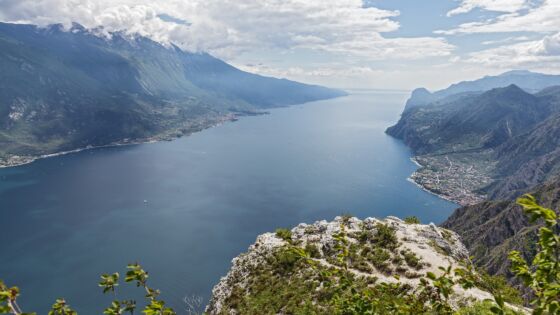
(297, 280)
(542, 276)
(109, 283)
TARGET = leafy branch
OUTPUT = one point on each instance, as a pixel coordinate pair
(109, 283)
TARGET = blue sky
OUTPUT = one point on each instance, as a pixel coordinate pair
(392, 44)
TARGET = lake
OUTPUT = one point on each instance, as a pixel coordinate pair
(185, 208)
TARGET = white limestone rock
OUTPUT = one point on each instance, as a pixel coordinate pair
(436, 247)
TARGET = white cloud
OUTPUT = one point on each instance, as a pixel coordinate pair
(337, 70)
(539, 54)
(506, 40)
(489, 5)
(551, 45)
(542, 18)
(229, 27)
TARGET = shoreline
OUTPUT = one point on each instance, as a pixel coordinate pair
(170, 135)
(24, 160)
(444, 197)
(17, 160)
(417, 184)
(461, 198)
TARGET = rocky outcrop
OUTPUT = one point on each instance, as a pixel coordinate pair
(415, 250)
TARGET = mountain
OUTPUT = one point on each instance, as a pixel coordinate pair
(64, 89)
(483, 150)
(528, 160)
(529, 81)
(492, 229)
(496, 144)
(472, 121)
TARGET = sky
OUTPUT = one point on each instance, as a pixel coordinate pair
(385, 44)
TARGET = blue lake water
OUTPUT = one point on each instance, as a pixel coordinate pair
(65, 220)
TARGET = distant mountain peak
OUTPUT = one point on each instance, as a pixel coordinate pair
(421, 91)
(531, 82)
(511, 87)
(509, 91)
(519, 72)
(77, 27)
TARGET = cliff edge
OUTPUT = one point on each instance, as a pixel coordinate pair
(297, 270)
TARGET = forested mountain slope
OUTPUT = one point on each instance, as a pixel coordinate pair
(63, 89)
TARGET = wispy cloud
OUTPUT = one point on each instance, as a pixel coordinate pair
(506, 40)
(542, 17)
(544, 53)
(489, 5)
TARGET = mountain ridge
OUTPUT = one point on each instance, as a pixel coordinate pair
(65, 89)
(531, 82)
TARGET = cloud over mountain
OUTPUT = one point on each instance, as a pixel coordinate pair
(230, 27)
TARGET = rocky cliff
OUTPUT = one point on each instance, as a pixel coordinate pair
(268, 279)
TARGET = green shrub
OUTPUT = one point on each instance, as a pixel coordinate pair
(286, 259)
(482, 308)
(412, 220)
(411, 259)
(542, 276)
(385, 237)
(312, 250)
(497, 285)
(446, 235)
(380, 259)
(364, 236)
(284, 234)
(346, 218)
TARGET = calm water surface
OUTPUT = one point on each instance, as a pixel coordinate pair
(67, 219)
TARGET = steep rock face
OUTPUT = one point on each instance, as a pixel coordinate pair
(418, 249)
(492, 229)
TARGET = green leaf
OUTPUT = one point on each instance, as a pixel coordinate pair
(4, 309)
